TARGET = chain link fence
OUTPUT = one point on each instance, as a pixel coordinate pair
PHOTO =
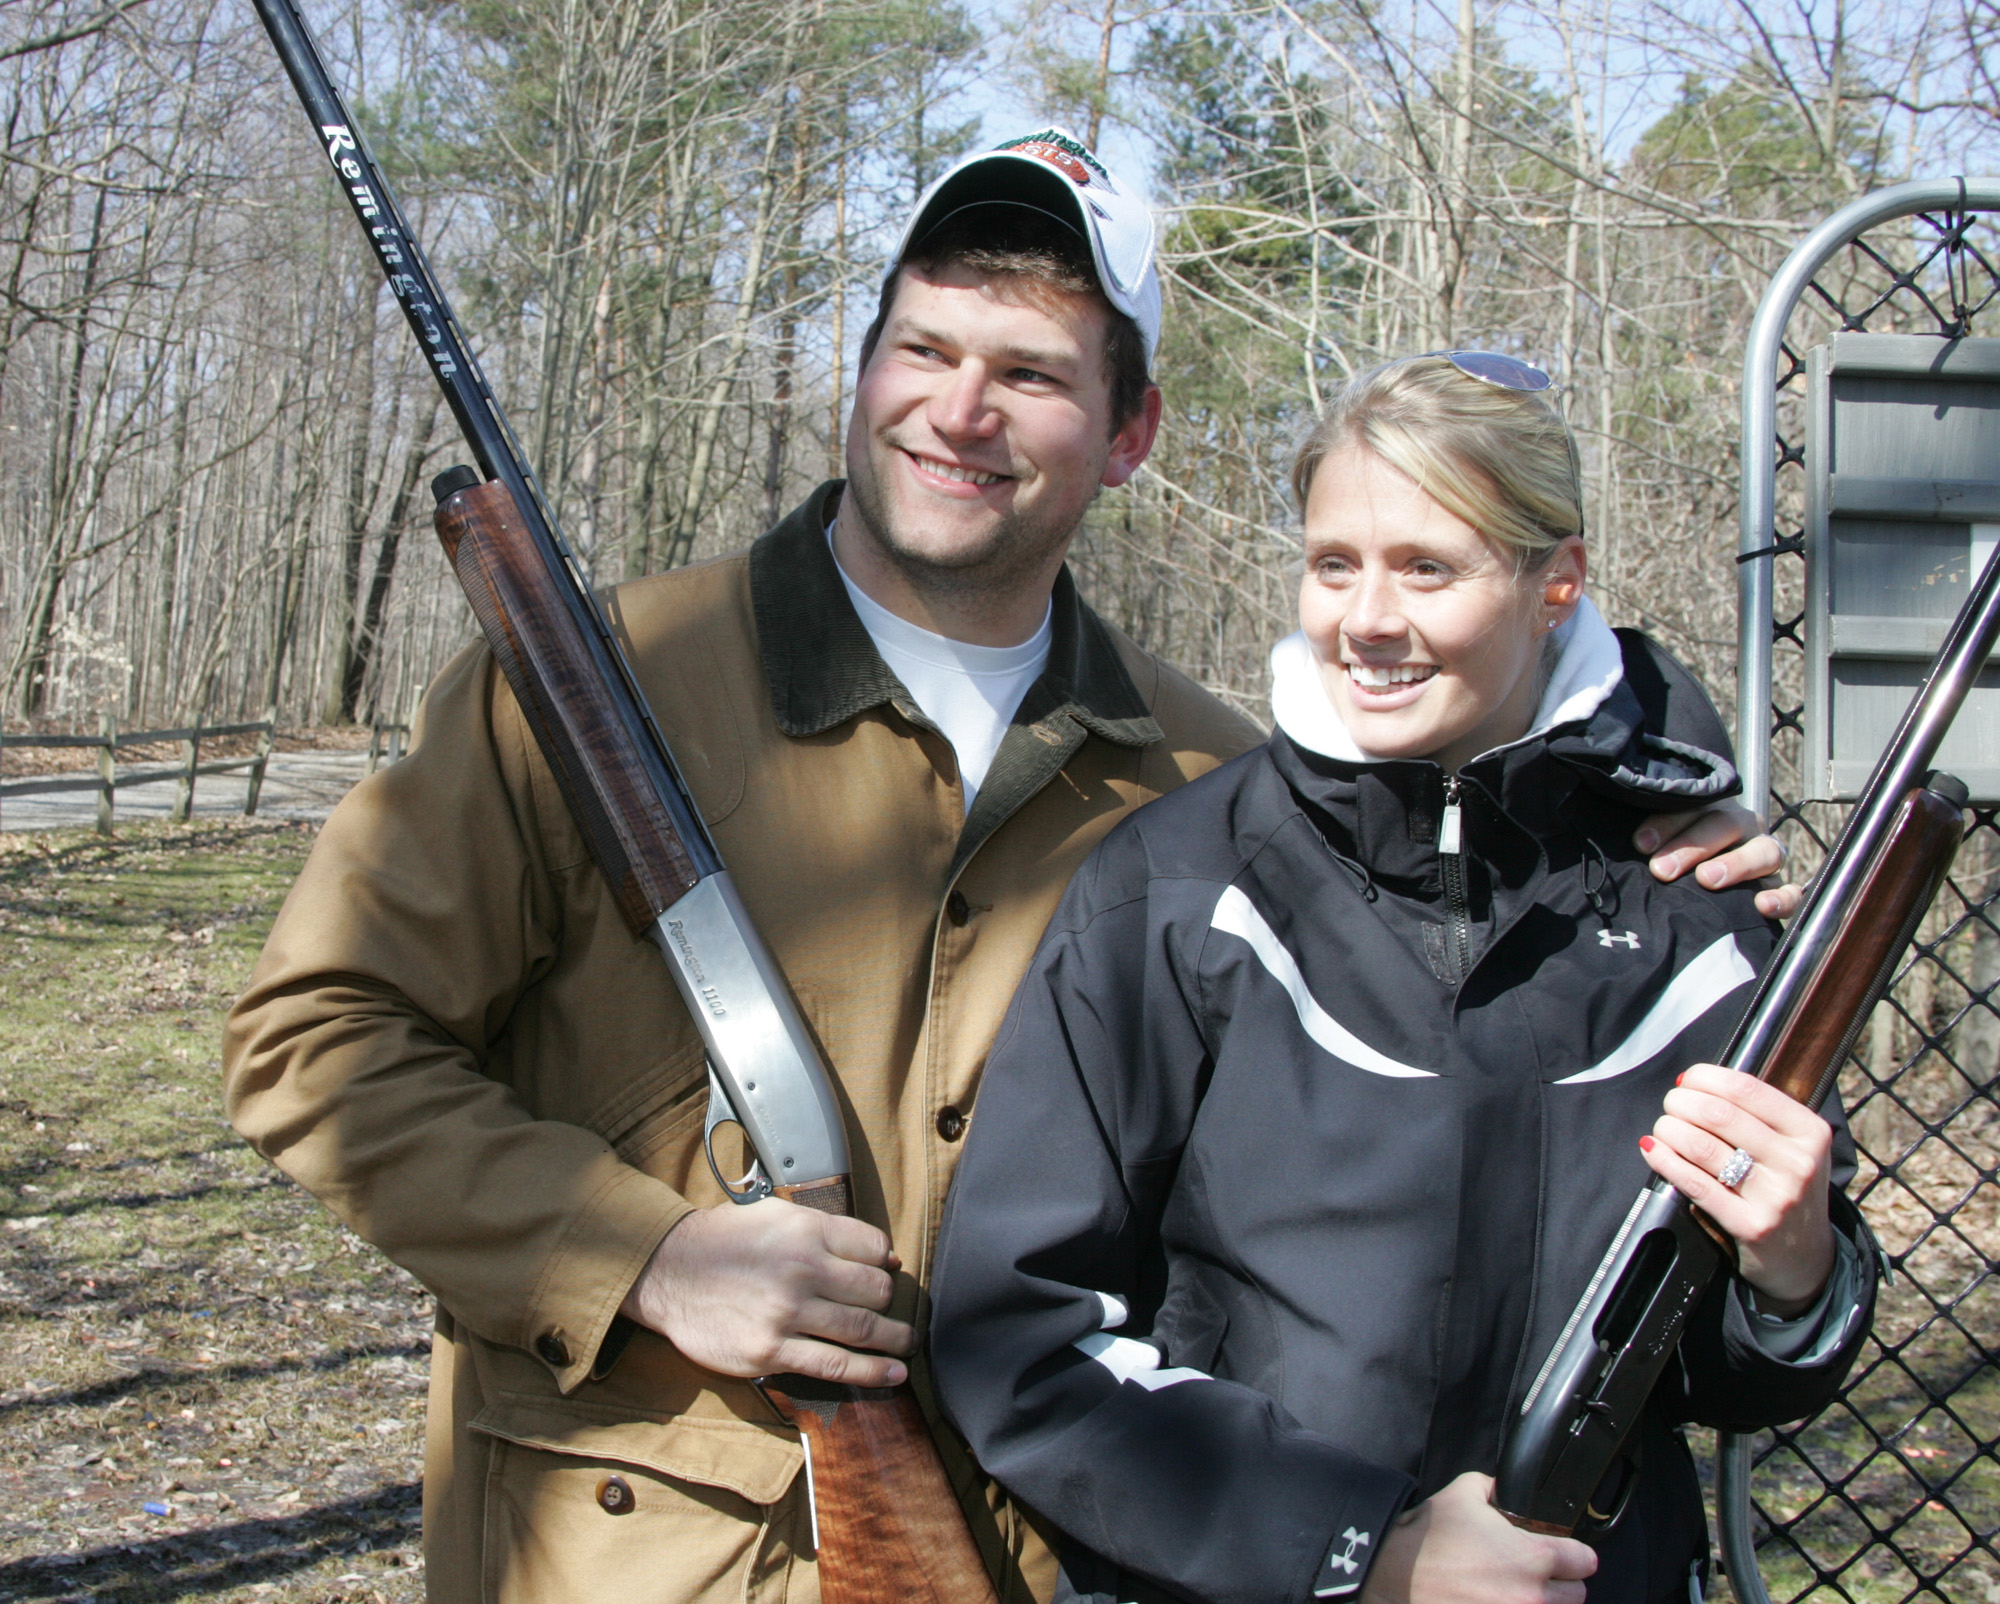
(1893, 1492)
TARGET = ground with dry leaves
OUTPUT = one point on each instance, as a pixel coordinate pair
(209, 1390)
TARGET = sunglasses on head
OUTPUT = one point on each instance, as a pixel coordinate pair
(1511, 373)
(1490, 367)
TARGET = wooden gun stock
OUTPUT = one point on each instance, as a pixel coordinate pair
(887, 1525)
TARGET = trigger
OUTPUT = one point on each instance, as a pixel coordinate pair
(754, 1184)
(719, 1110)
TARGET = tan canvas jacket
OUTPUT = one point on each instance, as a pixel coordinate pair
(455, 1042)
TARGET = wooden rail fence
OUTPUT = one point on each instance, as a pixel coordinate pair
(386, 743)
(109, 777)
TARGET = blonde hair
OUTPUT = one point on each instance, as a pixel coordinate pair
(1501, 460)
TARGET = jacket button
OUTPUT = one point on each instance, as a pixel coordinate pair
(956, 908)
(552, 1349)
(950, 1123)
(614, 1495)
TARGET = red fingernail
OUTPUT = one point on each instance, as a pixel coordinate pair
(1680, 1077)
(1645, 1144)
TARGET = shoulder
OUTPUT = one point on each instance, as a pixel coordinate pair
(691, 636)
(663, 610)
(1200, 729)
(1674, 702)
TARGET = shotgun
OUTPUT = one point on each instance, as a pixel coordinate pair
(1562, 1467)
(887, 1527)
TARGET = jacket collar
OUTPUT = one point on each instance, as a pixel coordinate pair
(822, 668)
(1589, 721)
(1385, 812)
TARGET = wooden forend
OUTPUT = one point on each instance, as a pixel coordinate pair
(526, 617)
(1808, 1051)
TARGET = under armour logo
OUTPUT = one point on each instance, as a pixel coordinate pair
(1346, 1561)
(1627, 939)
(1345, 1564)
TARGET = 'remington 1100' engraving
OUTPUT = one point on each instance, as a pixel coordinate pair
(763, 1063)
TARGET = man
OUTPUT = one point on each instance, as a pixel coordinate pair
(905, 731)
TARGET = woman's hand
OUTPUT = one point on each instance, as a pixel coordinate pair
(1777, 1213)
(1722, 845)
(1456, 1548)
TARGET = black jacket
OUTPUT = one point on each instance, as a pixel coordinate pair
(1300, 1143)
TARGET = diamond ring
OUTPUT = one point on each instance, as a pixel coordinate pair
(1736, 1169)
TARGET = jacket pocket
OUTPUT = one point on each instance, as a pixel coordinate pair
(657, 1098)
(582, 1508)
(738, 1456)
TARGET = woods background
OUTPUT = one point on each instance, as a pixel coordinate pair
(663, 223)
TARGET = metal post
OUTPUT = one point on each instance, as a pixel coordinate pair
(107, 773)
(1757, 507)
(1732, 1512)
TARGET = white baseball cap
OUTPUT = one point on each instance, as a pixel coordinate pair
(1054, 172)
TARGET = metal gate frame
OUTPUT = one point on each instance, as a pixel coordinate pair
(1947, 281)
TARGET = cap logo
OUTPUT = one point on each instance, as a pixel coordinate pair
(1072, 160)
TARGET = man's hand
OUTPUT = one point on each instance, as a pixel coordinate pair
(770, 1288)
(1725, 843)
(1456, 1548)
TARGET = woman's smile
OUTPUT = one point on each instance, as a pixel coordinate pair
(1379, 685)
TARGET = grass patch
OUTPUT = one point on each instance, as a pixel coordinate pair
(184, 1328)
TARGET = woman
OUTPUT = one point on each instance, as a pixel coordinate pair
(1326, 1091)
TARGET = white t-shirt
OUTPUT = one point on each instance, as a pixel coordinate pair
(969, 692)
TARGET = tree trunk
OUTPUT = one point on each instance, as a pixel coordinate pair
(360, 501)
(368, 636)
(694, 502)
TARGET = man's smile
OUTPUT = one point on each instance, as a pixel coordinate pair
(953, 471)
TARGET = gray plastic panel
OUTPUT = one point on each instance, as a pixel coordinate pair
(1902, 505)
(1869, 696)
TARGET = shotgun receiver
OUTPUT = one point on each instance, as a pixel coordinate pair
(1562, 1467)
(886, 1524)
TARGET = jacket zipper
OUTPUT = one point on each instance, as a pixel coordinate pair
(1451, 854)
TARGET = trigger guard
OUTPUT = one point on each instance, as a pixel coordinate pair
(755, 1184)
